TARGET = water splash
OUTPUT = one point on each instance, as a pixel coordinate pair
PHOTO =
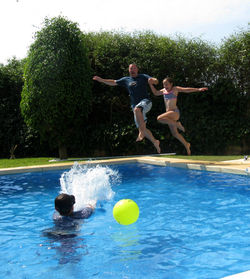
(89, 184)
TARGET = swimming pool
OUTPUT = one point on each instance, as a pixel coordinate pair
(192, 224)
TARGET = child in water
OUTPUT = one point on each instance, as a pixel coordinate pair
(172, 114)
(64, 205)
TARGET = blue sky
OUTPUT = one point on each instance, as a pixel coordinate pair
(212, 20)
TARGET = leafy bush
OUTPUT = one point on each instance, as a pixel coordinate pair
(56, 98)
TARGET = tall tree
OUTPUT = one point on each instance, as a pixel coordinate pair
(56, 98)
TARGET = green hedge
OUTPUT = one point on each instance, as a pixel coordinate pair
(216, 122)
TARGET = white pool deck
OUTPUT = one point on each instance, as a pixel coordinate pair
(241, 167)
(242, 275)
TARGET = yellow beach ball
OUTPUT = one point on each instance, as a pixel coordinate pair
(126, 212)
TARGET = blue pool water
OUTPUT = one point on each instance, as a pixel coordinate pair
(192, 224)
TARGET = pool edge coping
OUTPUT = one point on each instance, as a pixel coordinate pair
(153, 160)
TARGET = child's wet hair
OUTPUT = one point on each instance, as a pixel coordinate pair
(64, 203)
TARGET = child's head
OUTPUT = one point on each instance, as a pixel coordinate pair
(168, 83)
(64, 204)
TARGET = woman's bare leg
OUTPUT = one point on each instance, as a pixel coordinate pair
(171, 117)
(177, 135)
(180, 126)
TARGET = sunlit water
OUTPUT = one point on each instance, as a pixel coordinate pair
(192, 224)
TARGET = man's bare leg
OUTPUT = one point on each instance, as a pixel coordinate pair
(144, 132)
(141, 123)
(155, 142)
(140, 137)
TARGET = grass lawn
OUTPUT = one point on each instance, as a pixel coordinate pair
(7, 163)
(12, 163)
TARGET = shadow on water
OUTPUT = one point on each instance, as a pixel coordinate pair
(65, 238)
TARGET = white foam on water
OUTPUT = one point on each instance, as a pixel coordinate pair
(89, 184)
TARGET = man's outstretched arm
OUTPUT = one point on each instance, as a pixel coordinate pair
(110, 82)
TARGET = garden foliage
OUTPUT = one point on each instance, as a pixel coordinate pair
(56, 97)
(60, 101)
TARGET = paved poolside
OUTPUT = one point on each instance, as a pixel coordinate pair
(242, 275)
(241, 167)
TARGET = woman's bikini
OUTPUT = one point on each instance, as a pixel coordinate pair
(169, 96)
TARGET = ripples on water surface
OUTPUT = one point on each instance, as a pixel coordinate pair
(192, 224)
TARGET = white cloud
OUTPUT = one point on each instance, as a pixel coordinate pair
(20, 20)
